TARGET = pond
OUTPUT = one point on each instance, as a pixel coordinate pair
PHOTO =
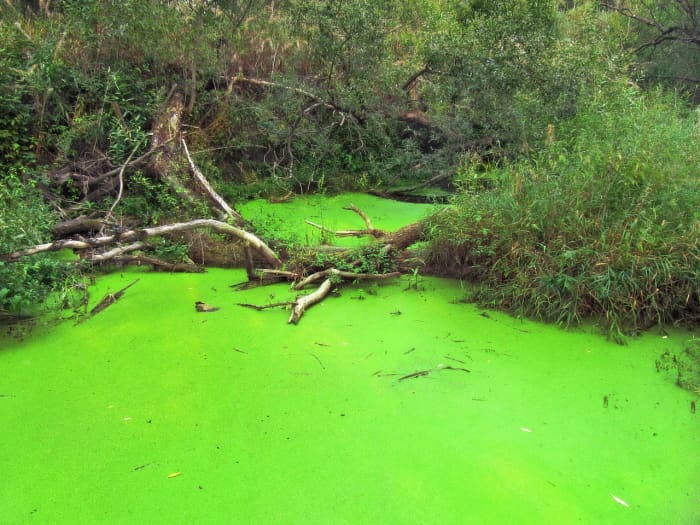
(389, 403)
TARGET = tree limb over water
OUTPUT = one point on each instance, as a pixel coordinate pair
(398, 240)
(218, 226)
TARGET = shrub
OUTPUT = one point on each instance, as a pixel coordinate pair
(26, 220)
(604, 221)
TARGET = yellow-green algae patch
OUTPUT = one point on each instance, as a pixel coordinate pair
(151, 412)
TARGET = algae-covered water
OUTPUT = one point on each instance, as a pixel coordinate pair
(386, 405)
(288, 221)
(151, 412)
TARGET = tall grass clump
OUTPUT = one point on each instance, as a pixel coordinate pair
(603, 222)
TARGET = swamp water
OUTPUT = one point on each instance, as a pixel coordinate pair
(151, 412)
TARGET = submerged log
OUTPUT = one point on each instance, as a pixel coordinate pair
(344, 275)
(111, 298)
(266, 306)
(160, 264)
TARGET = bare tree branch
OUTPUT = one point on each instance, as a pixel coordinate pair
(353, 233)
(218, 226)
(307, 301)
(328, 104)
(121, 182)
(115, 252)
(210, 190)
(685, 30)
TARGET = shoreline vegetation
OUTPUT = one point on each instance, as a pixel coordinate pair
(568, 148)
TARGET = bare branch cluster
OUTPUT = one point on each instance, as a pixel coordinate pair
(684, 13)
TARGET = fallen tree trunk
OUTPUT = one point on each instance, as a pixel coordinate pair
(391, 243)
(390, 247)
(369, 230)
(221, 227)
(305, 302)
(406, 236)
(80, 224)
(344, 275)
(116, 252)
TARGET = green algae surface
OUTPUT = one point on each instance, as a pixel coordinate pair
(288, 221)
(384, 405)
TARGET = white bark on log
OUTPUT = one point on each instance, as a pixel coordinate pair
(218, 226)
(307, 301)
(101, 257)
(211, 191)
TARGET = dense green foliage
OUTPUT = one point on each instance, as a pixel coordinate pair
(25, 220)
(577, 188)
(604, 221)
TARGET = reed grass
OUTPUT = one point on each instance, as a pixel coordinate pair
(603, 222)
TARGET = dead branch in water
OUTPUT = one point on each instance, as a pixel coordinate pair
(421, 373)
(259, 308)
(370, 230)
(304, 302)
(398, 240)
(160, 264)
(415, 374)
(111, 298)
(307, 301)
(345, 275)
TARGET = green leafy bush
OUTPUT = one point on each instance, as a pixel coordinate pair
(25, 220)
(603, 222)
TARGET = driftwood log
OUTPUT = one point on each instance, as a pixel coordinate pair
(221, 227)
(304, 302)
(396, 241)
